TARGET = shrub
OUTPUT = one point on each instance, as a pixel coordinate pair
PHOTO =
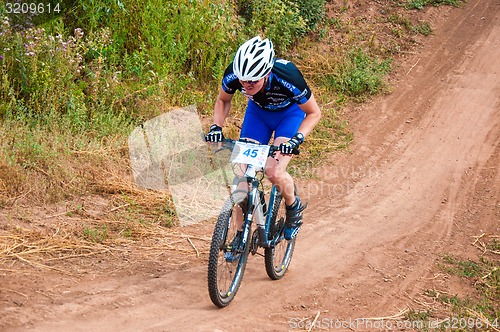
(312, 11)
(358, 74)
(162, 37)
(282, 21)
(278, 20)
(420, 4)
(46, 72)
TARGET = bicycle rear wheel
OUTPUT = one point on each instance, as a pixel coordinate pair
(225, 264)
(278, 258)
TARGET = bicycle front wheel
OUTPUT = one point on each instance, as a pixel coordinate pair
(278, 258)
(226, 264)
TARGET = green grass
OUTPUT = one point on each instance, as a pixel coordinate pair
(406, 24)
(352, 74)
(420, 4)
(480, 306)
(57, 156)
(96, 235)
(463, 268)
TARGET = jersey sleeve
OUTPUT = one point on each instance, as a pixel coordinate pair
(293, 80)
(230, 83)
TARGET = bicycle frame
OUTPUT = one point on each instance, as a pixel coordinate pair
(255, 208)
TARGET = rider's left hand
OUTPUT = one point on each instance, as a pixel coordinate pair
(292, 144)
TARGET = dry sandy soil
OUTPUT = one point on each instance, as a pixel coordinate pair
(421, 180)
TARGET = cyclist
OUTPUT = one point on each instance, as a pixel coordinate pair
(279, 101)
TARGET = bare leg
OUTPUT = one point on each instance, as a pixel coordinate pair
(243, 186)
(277, 174)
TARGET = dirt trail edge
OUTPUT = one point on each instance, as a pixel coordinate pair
(378, 219)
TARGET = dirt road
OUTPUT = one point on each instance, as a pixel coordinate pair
(378, 220)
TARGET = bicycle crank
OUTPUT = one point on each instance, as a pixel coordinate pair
(254, 243)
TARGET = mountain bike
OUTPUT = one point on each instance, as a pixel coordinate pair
(227, 260)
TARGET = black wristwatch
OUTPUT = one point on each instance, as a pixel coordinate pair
(300, 137)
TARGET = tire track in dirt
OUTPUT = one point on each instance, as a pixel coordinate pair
(395, 225)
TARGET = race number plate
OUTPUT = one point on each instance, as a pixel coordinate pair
(252, 154)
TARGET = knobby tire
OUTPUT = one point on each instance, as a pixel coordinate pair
(278, 258)
(224, 277)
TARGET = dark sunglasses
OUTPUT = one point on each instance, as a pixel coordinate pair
(250, 82)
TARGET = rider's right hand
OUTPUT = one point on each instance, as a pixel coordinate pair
(215, 134)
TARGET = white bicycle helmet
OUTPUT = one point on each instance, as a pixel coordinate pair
(254, 59)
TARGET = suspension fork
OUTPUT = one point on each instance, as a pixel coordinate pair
(251, 207)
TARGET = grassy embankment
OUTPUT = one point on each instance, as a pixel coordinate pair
(74, 87)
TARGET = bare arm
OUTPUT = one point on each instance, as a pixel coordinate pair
(222, 107)
(313, 115)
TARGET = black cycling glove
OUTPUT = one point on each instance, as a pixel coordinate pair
(292, 144)
(215, 134)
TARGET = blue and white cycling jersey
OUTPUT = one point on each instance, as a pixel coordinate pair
(286, 86)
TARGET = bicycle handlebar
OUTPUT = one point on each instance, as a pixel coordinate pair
(229, 144)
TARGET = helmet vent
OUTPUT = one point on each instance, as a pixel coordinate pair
(254, 59)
